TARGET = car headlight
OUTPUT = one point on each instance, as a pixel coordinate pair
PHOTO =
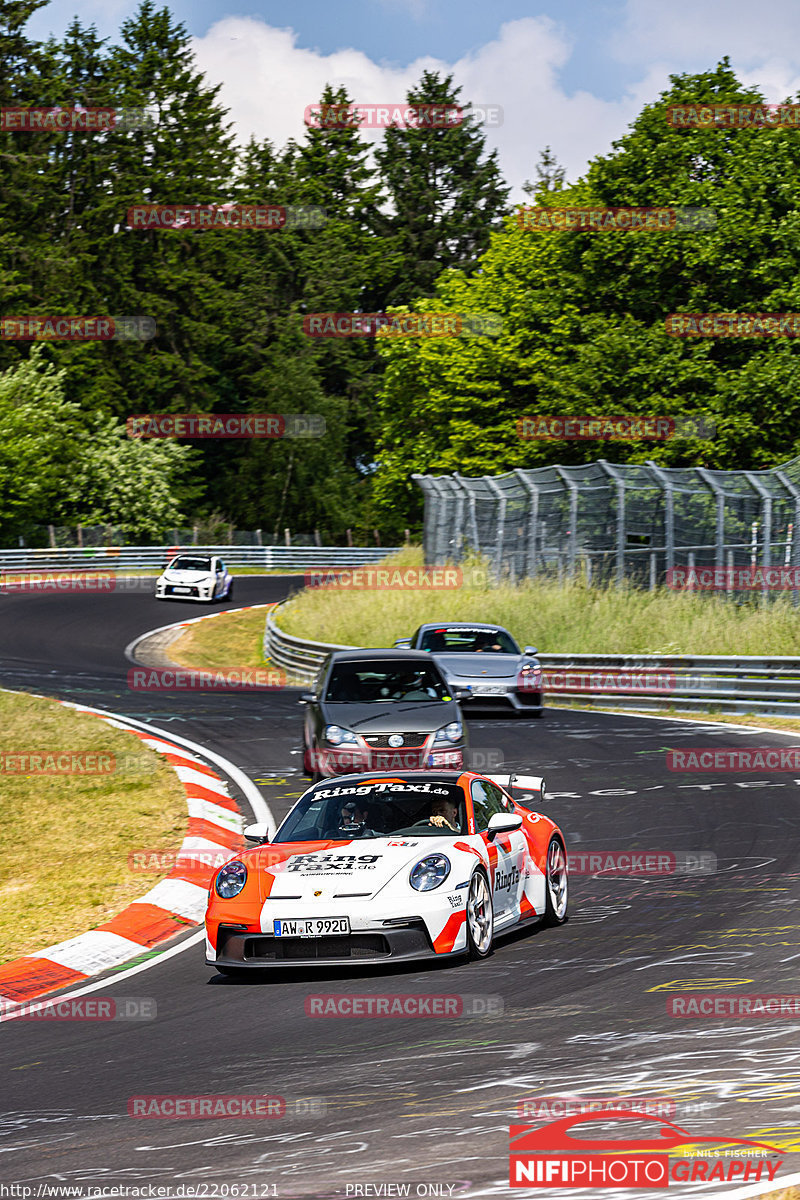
(231, 879)
(449, 733)
(340, 737)
(429, 872)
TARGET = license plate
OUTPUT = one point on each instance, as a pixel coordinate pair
(489, 691)
(181, 590)
(310, 927)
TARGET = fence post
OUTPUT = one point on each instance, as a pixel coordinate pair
(669, 514)
(52, 532)
(621, 542)
(652, 572)
(766, 502)
(533, 492)
(719, 496)
(793, 558)
(729, 575)
(501, 523)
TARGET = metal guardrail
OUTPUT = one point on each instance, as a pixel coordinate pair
(692, 683)
(115, 558)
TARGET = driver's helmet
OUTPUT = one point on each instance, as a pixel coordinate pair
(347, 819)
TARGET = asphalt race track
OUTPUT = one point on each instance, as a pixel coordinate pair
(413, 1101)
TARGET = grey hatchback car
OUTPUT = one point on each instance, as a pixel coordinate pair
(381, 710)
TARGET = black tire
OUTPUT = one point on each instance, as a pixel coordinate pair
(479, 946)
(556, 890)
(229, 593)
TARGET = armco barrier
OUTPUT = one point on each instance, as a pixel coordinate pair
(685, 682)
(286, 559)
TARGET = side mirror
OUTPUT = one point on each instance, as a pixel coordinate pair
(530, 650)
(256, 833)
(307, 698)
(503, 823)
(403, 643)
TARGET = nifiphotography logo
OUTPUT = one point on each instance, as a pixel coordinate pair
(549, 1156)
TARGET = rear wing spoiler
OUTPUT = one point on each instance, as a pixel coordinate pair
(533, 784)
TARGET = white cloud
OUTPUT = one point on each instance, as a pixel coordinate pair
(268, 81)
(683, 29)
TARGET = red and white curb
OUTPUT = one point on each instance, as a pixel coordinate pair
(171, 906)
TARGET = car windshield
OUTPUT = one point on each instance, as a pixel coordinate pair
(377, 682)
(467, 641)
(384, 809)
(190, 564)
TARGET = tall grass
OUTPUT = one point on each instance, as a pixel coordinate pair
(566, 618)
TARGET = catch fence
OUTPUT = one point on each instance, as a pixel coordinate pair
(616, 522)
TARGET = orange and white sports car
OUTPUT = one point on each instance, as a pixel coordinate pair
(375, 868)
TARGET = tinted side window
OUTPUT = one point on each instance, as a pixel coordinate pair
(486, 800)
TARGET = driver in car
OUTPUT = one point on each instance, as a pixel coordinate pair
(488, 642)
(444, 814)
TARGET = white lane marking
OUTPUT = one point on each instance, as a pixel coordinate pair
(95, 950)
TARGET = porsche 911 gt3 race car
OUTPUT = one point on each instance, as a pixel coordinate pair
(195, 577)
(485, 661)
(376, 868)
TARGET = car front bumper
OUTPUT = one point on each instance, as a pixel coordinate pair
(382, 944)
(500, 697)
(354, 760)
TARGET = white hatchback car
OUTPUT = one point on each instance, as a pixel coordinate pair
(195, 577)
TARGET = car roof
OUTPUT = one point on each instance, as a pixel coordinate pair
(380, 653)
(461, 625)
(451, 777)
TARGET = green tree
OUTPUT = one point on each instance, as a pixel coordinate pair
(446, 194)
(584, 314)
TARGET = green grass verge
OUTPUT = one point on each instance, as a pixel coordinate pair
(230, 641)
(66, 838)
(568, 619)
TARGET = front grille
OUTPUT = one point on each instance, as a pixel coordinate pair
(397, 760)
(357, 945)
(411, 741)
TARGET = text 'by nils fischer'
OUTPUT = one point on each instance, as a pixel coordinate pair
(418, 324)
(60, 328)
(183, 218)
(626, 219)
(226, 425)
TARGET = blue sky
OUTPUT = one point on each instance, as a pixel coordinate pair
(568, 73)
